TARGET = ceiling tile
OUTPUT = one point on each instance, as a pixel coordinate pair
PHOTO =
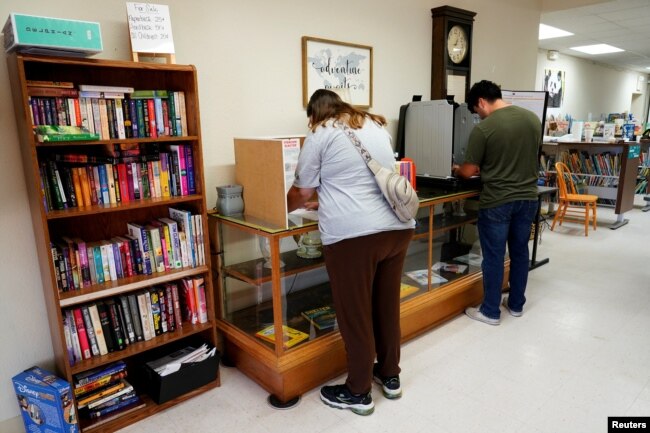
(622, 23)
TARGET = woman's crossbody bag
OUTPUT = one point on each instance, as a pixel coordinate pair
(396, 188)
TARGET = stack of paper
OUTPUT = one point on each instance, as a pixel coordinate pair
(173, 362)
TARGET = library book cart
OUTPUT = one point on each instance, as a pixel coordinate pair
(270, 284)
(609, 170)
(71, 232)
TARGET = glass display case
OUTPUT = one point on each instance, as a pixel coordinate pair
(261, 265)
(276, 308)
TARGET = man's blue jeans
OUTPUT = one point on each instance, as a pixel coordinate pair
(509, 224)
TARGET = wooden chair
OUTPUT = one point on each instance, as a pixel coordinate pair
(573, 206)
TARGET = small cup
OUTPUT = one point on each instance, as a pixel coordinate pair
(589, 134)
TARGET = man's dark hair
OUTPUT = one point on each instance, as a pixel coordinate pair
(483, 89)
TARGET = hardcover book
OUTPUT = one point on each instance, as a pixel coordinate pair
(135, 316)
(105, 322)
(81, 334)
(291, 336)
(163, 309)
(322, 317)
(90, 331)
(99, 331)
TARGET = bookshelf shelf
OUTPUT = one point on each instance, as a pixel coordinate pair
(150, 407)
(254, 272)
(124, 285)
(116, 141)
(122, 207)
(96, 225)
(451, 222)
(140, 347)
(253, 297)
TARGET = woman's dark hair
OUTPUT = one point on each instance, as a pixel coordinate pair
(325, 105)
(483, 89)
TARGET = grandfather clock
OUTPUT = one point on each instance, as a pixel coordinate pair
(451, 63)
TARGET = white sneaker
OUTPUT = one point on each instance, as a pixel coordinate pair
(512, 313)
(475, 313)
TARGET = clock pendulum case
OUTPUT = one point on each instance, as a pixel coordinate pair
(451, 60)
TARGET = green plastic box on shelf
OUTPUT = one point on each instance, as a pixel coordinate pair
(43, 35)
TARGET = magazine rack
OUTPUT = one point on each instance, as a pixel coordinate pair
(253, 297)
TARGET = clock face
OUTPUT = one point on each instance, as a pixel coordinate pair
(457, 44)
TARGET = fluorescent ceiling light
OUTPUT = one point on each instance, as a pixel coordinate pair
(597, 49)
(548, 32)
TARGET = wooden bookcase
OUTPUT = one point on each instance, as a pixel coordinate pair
(617, 188)
(98, 222)
(254, 296)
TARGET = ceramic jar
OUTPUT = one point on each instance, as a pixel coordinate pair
(229, 200)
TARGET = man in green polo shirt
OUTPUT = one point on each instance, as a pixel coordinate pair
(502, 149)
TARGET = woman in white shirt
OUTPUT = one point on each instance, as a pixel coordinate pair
(364, 244)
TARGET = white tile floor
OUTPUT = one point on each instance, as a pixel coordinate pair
(581, 352)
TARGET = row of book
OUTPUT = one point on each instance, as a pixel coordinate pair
(104, 391)
(160, 245)
(112, 112)
(642, 180)
(74, 180)
(114, 324)
(546, 162)
(601, 164)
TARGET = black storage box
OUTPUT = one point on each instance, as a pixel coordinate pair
(188, 378)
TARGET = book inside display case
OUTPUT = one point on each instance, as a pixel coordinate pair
(113, 162)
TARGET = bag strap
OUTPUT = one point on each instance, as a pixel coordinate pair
(369, 160)
(355, 141)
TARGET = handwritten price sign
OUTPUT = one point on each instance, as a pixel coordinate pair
(150, 28)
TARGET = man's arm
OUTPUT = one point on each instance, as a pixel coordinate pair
(297, 197)
(466, 170)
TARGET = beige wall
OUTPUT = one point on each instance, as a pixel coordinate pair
(594, 88)
(247, 53)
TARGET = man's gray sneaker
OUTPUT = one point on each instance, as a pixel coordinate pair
(475, 313)
(512, 312)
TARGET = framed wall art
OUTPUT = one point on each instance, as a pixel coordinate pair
(554, 85)
(339, 66)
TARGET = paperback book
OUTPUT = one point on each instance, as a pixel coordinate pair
(422, 276)
(406, 289)
(291, 336)
(53, 133)
(322, 317)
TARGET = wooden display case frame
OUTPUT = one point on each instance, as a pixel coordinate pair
(287, 374)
